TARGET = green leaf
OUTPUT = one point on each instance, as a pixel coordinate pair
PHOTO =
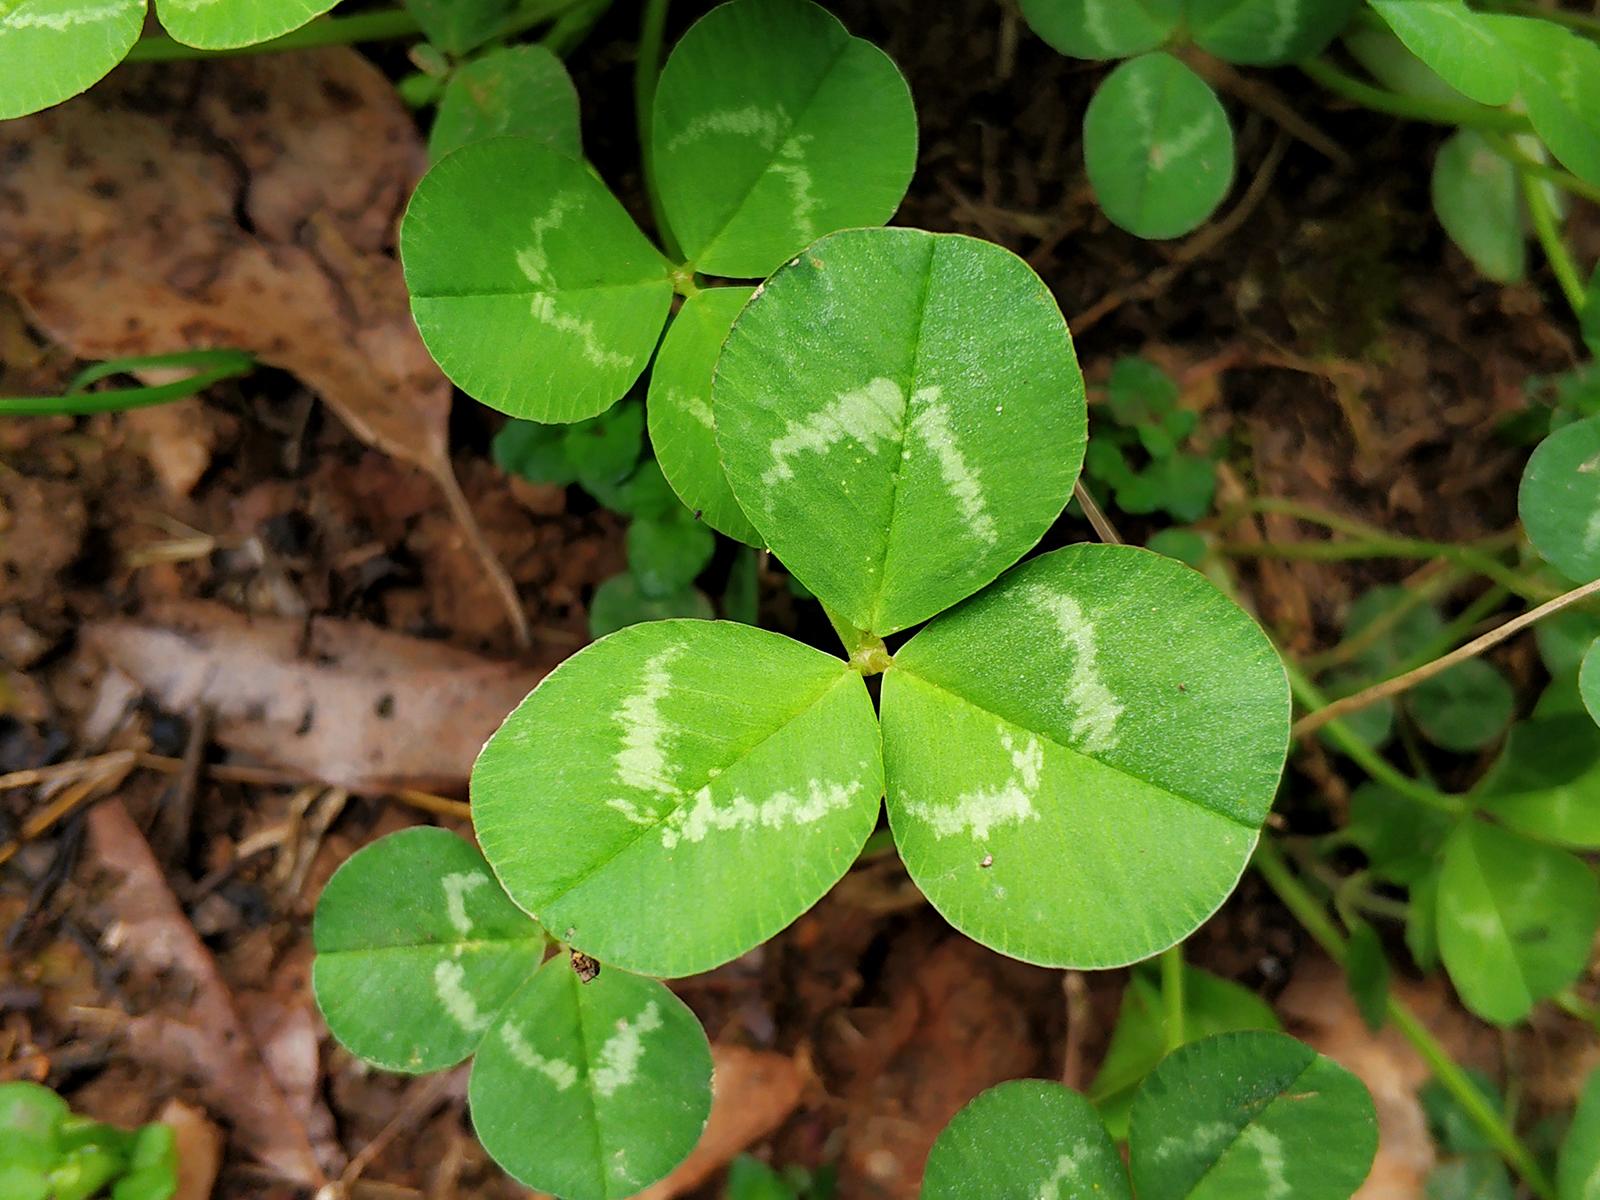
(1265, 33)
(50, 50)
(620, 602)
(1464, 708)
(1211, 1005)
(1388, 61)
(417, 950)
(1138, 391)
(521, 90)
(1451, 1126)
(1251, 1114)
(1516, 920)
(1185, 545)
(1422, 926)
(1560, 500)
(542, 300)
(1546, 782)
(538, 453)
(1476, 1177)
(1476, 197)
(1559, 80)
(1456, 43)
(1158, 147)
(594, 1090)
(1578, 1168)
(1400, 837)
(700, 785)
(682, 429)
(751, 1179)
(1367, 973)
(1401, 636)
(457, 26)
(30, 1117)
(229, 24)
(604, 450)
(1589, 680)
(152, 1172)
(1025, 1138)
(666, 553)
(1099, 734)
(1103, 29)
(901, 415)
(644, 494)
(1564, 638)
(1589, 318)
(772, 127)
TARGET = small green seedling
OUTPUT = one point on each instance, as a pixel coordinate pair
(1250, 1114)
(1078, 752)
(1137, 456)
(1156, 141)
(48, 1153)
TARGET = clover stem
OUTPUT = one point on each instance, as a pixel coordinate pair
(1542, 216)
(572, 26)
(210, 366)
(1364, 756)
(1417, 108)
(646, 74)
(1326, 713)
(1517, 157)
(1275, 872)
(1172, 994)
(328, 31)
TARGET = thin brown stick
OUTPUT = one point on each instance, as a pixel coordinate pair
(1097, 515)
(1197, 246)
(499, 578)
(1400, 683)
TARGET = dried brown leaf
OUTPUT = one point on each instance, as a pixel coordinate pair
(208, 1042)
(244, 203)
(337, 701)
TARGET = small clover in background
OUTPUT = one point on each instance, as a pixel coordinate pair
(47, 1152)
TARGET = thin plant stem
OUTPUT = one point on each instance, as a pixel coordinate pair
(1417, 108)
(327, 31)
(1542, 216)
(1172, 994)
(1364, 756)
(646, 74)
(571, 27)
(1523, 161)
(1452, 634)
(1313, 917)
(210, 366)
(1409, 679)
(1412, 597)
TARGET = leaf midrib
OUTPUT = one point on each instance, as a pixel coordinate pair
(766, 167)
(685, 793)
(528, 292)
(466, 947)
(1257, 1119)
(1075, 752)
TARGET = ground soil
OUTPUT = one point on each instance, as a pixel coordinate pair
(1349, 356)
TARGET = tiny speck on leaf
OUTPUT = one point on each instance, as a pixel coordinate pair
(988, 861)
(584, 967)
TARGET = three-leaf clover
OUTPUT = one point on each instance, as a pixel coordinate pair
(1237, 1114)
(771, 125)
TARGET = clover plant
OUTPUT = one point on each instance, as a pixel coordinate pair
(1138, 455)
(1247, 1114)
(49, 1153)
(1156, 140)
(1077, 752)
